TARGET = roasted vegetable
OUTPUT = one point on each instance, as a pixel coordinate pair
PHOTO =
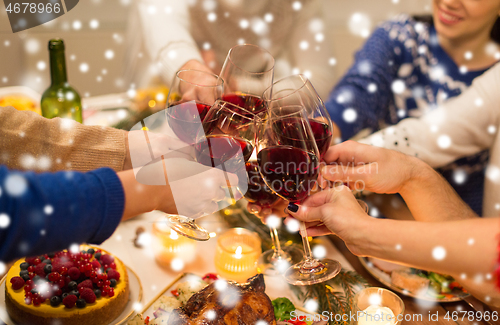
(282, 308)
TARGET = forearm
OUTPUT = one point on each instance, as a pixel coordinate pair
(57, 210)
(31, 142)
(470, 246)
(465, 249)
(430, 197)
(141, 198)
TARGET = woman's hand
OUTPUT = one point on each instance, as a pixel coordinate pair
(335, 211)
(364, 167)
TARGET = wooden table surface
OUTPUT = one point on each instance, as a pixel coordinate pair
(394, 207)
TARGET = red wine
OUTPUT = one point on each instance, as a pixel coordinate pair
(184, 121)
(219, 149)
(289, 131)
(323, 136)
(249, 102)
(288, 171)
(258, 192)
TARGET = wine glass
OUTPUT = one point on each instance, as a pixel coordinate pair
(278, 259)
(225, 141)
(190, 96)
(298, 90)
(247, 71)
(288, 159)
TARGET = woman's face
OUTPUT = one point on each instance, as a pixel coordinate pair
(455, 19)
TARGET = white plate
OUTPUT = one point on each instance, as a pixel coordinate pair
(135, 297)
(21, 90)
(385, 279)
(148, 309)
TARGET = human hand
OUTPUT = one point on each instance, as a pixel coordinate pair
(195, 188)
(204, 87)
(334, 211)
(145, 146)
(277, 209)
(364, 167)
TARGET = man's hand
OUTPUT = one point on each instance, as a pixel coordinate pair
(195, 188)
(145, 146)
(364, 167)
(204, 87)
(427, 194)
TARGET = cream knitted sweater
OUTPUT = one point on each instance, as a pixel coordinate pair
(463, 126)
(31, 142)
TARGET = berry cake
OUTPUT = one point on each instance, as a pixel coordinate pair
(89, 287)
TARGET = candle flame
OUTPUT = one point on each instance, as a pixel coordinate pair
(173, 235)
(237, 254)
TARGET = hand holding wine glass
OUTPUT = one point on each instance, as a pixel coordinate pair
(289, 164)
(278, 259)
(191, 95)
(334, 211)
(224, 142)
(298, 90)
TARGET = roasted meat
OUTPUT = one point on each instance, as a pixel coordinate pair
(227, 303)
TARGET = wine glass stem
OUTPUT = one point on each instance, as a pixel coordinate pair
(310, 265)
(307, 247)
(278, 253)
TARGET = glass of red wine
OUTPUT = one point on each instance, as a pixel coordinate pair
(225, 140)
(191, 95)
(288, 159)
(227, 131)
(247, 71)
(277, 260)
(298, 90)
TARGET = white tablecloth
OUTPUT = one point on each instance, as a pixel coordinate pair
(154, 278)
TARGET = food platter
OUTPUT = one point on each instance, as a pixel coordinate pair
(134, 299)
(149, 309)
(385, 278)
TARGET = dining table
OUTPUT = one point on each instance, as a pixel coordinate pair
(155, 277)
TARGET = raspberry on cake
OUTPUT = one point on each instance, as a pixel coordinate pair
(89, 287)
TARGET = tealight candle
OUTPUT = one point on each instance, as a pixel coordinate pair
(377, 306)
(376, 315)
(168, 245)
(237, 253)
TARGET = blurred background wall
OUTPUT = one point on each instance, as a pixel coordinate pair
(95, 31)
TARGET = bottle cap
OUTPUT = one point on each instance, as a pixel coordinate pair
(56, 44)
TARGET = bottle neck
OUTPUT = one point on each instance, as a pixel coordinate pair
(58, 67)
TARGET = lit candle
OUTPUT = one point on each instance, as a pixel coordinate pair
(236, 256)
(376, 315)
(168, 245)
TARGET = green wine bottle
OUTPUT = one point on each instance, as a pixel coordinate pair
(60, 99)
